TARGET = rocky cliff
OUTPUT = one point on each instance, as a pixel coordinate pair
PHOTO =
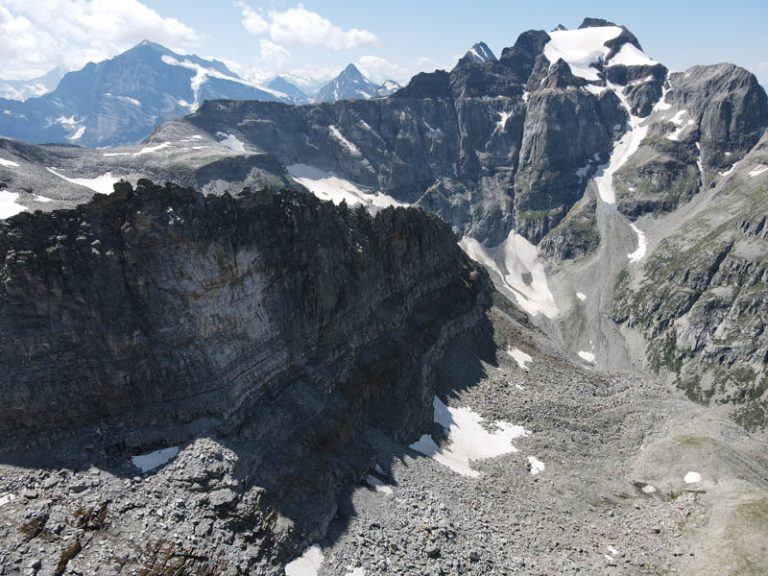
(700, 298)
(284, 325)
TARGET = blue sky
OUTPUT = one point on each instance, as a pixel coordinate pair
(389, 38)
(679, 34)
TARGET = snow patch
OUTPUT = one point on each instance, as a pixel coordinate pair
(692, 478)
(8, 205)
(468, 440)
(6, 499)
(152, 149)
(729, 171)
(648, 489)
(66, 121)
(677, 119)
(516, 262)
(588, 356)
(624, 148)
(231, 141)
(8, 163)
(581, 49)
(520, 357)
(346, 144)
(113, 154)
(631, 55)
(328, 186)
(642, 245)
(153, 460)
(378, 485)
(581, 296)
(201, 77)
(355, 572)
(102, 184)
(700, 162)
(78, 134)
(756, 172)
(537, 466)
(308, 564)
(501, 125)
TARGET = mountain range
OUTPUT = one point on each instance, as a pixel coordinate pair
(526, 334)
(121, 100)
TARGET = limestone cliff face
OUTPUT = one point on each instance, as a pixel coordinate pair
(160, 306)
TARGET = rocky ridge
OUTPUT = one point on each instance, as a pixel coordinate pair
(273, 324)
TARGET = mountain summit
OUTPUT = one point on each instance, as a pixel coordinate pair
(480, 54)
(352, 84)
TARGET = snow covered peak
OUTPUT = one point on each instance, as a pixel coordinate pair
(595, 44)
(480, 54)
(204, 72)
(351, 84)
(352, 72)
(581, 49)
(631, 55)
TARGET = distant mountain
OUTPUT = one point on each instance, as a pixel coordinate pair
(121, 100)
(480, 54)
(23, 89)
(284, 85)
(352, 84)
(389, 87)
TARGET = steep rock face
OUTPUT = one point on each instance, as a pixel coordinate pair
(716, 114)
(700, 300)
(158, 305)
(412, 150)
(730, 108)
(563, 131)
(281, 327)
(491, 146)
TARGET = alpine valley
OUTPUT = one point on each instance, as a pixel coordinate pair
(507, 319)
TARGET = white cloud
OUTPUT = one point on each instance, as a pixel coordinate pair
(273, 56)
(253, 22)
(301, 26)
(379, 69)
(41, 34)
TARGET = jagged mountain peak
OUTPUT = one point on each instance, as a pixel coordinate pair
(289, 88)
(480, 53)
(352, 71)
(595, 46)
(352, 84)
(596, 23)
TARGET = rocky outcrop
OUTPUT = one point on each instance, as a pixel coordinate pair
(700, 301)
(729, 107)
(158, 297)
(717, 114)
(563, 131)
(283, 326)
